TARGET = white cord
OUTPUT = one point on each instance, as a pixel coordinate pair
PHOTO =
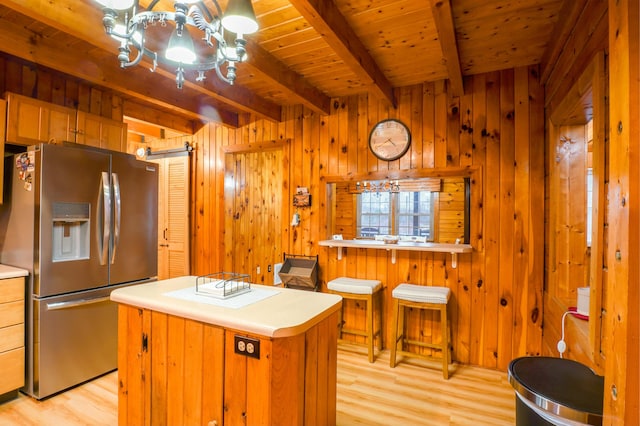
(562, 345)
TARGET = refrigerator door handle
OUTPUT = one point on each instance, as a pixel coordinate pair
(104, 206)
(75, 303)
(117, 214)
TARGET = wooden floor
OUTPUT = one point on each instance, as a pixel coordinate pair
(413, 393)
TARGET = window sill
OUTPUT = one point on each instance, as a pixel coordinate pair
(454, 249)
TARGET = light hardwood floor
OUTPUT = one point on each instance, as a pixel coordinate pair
(368, 394)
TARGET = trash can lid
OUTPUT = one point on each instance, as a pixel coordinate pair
(563, 387)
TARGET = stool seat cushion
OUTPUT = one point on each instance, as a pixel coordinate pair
(421, 293)
(354, 285)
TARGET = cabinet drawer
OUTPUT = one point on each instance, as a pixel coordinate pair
(12, 370)
(11, 289)
(11, 337)
(11, 313)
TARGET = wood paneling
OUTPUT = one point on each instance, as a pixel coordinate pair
(570, 263)
(52, 87)
(622, 324)
(499, 284)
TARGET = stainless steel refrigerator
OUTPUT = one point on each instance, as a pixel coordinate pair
(83, 222)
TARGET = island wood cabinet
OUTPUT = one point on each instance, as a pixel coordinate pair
(177, 371)
(11, 336)
(31, 121)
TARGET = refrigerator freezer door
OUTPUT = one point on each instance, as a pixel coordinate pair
(71, 221)
(134, 238)
(74, 339)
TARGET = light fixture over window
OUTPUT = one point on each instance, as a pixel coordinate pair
(127, 22)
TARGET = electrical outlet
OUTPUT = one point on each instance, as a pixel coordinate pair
(258, 270)
(246, 346)
(268, 268)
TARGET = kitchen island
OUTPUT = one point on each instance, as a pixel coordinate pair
(265, 357)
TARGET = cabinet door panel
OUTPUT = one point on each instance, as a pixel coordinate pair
(30, 121)
(23, 121)
(113, 136)
(11, 337)
(101, 132)
(11, 370)
(58, 124)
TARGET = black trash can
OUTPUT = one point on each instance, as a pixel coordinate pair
(555, 391)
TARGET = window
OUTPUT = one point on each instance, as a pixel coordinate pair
(407, 213)
(589, 137)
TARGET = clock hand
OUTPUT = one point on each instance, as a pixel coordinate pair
(391, 142)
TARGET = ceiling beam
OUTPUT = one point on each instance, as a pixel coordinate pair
(565, 26)
(286, 80)
(65, 16)
(327, 20)
(443, 17)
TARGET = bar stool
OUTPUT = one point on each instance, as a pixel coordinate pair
(420, 297)
(367, 291)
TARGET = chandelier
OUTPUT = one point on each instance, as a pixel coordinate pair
(377, 187)
(127, 22)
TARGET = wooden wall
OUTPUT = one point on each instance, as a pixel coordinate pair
(568, 262)
(38, 82)
(496, 130)
(622, 369)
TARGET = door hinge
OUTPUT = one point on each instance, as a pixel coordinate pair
(145, 342)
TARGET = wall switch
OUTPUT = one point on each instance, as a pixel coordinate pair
(268, 268)
(258, 270)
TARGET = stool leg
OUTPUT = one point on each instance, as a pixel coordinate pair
(370, 334)
(445, 341)
(379, 320)
(394, 334)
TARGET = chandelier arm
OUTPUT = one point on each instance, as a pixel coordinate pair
(133, 63)
(222, 77)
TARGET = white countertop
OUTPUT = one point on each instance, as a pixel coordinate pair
(401, 245)
(286, 312)
(12, 272)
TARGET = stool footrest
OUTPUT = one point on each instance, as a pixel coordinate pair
(359, 332)
(416, 355)
(437, 346)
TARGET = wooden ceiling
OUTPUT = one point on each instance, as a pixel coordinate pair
(305, 52)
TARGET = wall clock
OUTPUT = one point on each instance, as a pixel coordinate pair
(389, 139)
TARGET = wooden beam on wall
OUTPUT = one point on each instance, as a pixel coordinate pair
(325, 17)
(443, 17)
(569, 15)
(263, 62)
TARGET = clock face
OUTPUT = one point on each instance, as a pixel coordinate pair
(389, 139)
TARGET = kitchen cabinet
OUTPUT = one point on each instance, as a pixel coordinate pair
(11, 336)
(173, 216)
(101, 132)
(31, 121)
(184, 362)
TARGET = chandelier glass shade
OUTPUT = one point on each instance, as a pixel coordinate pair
(220, 48)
